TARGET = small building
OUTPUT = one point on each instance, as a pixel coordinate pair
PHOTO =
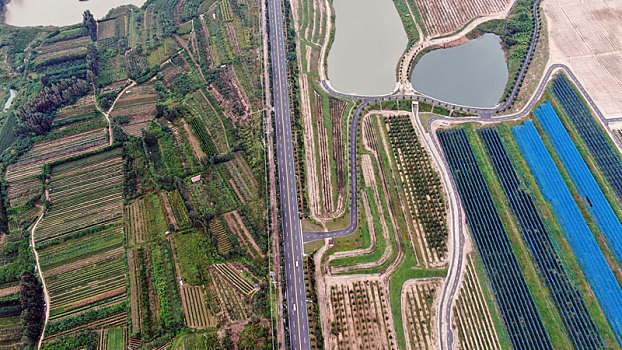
(196, 179)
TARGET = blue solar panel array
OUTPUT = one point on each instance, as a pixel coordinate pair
(581, 175)
(580, 326)
(603, 152)
(591, 258)
(518, 310)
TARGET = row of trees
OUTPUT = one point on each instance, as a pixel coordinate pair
(38, 113)
(31, 297)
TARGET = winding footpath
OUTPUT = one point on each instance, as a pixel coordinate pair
(46, 295)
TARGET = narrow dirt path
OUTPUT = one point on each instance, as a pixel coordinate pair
(107, 114)
(46, 295)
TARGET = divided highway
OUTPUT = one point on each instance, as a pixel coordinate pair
(296, 296)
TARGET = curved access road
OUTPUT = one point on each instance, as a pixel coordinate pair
(456, 262)
(450, 289)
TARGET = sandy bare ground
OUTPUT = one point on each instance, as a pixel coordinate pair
(587, 37)
(472, 314)
(418, 314)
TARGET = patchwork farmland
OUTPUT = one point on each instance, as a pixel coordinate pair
(133, 251)
(138, 103)
(80, 243)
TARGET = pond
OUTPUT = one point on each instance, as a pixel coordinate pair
(25, 13)
(473, 74)
(369, 40)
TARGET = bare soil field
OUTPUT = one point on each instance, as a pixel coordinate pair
(447, 16)
(476, 330)
(419, 300)
(587, 37)
(360, 314)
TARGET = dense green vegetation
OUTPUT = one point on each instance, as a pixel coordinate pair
(197, 71)
(516, 33)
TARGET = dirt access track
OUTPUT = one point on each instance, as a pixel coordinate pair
(587, 37)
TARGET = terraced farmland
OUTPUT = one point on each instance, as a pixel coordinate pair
(593, 262)
(80, 239)
(516, 304)
(64, 55)
(22, 175)
(566, 295)
(138, 102)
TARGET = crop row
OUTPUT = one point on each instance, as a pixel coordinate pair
(447, 16)
(179, 209)
(144, 220)
(361, 316)
(476, 329)
(224, 243)
(236, 306)
(82, 256)
(516, 304)
(212, 118)
(22, 174)
(418, 313)
(198, 314)
(243, 178)
(422, 183)
(235, 278)
(566, 295)
(207, 145)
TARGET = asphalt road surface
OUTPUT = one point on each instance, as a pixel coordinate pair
(296, 298)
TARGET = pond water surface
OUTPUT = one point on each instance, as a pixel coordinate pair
(472, 74)
(25, 13)
(369, 40)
